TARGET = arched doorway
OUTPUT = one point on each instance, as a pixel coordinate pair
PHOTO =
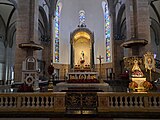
(82, 48)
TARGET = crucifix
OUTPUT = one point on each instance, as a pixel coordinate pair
(100, 62)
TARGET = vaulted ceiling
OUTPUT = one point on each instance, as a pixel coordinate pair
(6, 11)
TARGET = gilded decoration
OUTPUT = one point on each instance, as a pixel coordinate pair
(130, 61)
(134, 65)
(136, 71)
(81, 100)
(149, 61)
(139, 82)
(81, 34)
(88, 34)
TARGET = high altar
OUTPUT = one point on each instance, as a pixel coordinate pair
(82, 57)
(82, 72)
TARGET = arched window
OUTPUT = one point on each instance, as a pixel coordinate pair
(107, 31)
(57, 29)
(82, 18)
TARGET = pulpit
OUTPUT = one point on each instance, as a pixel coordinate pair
(30, 72)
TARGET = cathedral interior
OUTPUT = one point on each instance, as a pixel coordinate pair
(67, 59)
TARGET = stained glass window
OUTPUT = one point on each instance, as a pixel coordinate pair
(57, 29)
(107, 32)
(82, 18)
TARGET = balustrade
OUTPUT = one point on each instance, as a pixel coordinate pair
(31, 102)
(60, 102)
(133, 102)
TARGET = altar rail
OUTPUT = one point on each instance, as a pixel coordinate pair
(56, 102)
(32, 102)
(5, 82)
(128, 102)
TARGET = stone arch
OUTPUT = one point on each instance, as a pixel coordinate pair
(14, 3)
(11, 33)
(45, 20)
(2, 29)
(8, 39)
(156, 28)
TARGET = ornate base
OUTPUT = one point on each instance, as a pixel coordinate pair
(140, 90)
(139, 81)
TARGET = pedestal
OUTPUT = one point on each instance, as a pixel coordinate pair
(139, 81)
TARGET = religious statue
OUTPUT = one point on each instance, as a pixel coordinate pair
(82, 60)
(50, 69)
(82, 53)
(136, 71)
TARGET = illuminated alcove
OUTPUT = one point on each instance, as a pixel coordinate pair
(82, 48)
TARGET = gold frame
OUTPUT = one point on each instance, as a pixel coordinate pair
(149, 62)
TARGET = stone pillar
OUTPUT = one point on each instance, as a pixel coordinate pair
(143, 24)
(27, 30)
(48, 50)
(137, 23)
(22, 35)
(34, 23)
(130, 21)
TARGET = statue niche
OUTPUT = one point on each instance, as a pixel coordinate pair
(82, 50)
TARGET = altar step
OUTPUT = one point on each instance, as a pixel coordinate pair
(82, 89)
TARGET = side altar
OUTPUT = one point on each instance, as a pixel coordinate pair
(138, 82)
